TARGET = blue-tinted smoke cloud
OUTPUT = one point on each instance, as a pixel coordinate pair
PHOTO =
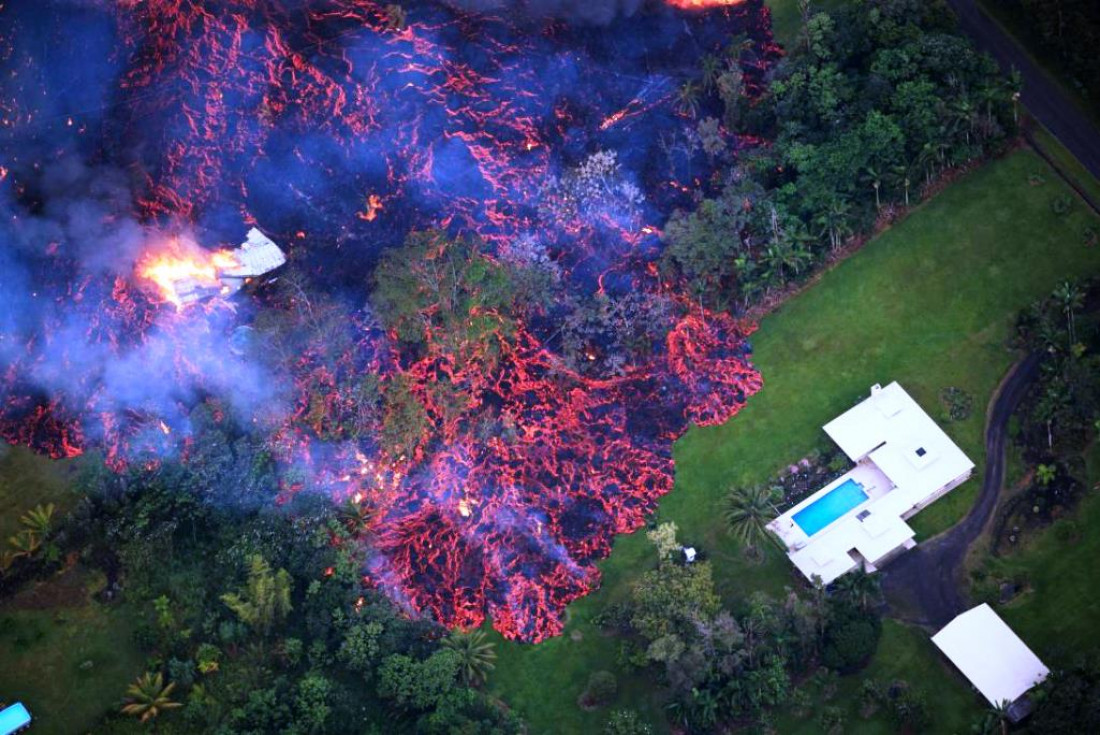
(63, 344)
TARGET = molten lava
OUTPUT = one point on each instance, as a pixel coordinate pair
(341, 133)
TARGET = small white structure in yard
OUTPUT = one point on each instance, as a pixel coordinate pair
(992, 657)
(904, 462)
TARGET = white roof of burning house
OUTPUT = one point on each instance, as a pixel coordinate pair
(256, 256)
(990, 655)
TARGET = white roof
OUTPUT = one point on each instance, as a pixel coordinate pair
(990, 655)
(902, 440)
(904, 461)
(256, 255)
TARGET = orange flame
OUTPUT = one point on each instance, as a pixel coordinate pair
(169, 270)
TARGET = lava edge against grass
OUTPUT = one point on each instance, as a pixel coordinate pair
(971, 258)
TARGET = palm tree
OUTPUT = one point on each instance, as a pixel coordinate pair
(1071, 299)
(747, 513)
(711, 67)
(999, 712)
(148, 696)
(835, 223)
(687, 99)
(39, 519)
(476, 655)
(901, 175)
(873, 177)
(859, 588)
(24, 544)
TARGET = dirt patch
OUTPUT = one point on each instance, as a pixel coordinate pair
(68, 588)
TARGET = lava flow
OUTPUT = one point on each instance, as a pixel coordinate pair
(339, 126)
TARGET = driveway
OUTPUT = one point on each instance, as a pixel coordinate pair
(923, 585)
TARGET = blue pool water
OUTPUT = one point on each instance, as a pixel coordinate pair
(830, 506)
(14, 718)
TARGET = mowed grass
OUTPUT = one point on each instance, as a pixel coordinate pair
(929, 303)
(65, 656)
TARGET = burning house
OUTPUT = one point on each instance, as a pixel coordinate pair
(187, 279)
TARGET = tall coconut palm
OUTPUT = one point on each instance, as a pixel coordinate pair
(476, 655)
(711, 67)
(1071, 299)
(874, 178)
(148, 696)
(747, 513)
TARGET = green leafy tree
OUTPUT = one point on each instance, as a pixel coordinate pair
(626, 722)
(418, 685)
(265, 601)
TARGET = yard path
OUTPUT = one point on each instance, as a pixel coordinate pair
(1046, 101)
(923, 585)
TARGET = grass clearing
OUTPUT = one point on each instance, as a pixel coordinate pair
(28, 479)
(904, 653)
(1057, 613)
(929, 303)
(69, 662)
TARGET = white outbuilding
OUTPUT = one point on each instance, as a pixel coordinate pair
(992, 657)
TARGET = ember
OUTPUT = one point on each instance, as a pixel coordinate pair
(339, 133)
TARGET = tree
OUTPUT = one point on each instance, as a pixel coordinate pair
(664, 538)
(265, 600)
(475, 655)
(1070, 298)
(1045, 474)
(851, 638)
(418, 685)
(711, 67)
(687, 99)
(859, 588)
(999, 714)
(39, 520)
(148, 696)
(747, 513)
(601, 689)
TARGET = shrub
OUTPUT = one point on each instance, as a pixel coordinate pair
(600, 690)
(1061, 205)
(850, 639)
(626, 722)
(958, 402)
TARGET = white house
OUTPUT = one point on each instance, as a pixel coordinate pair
(992, 657)
(903, 462)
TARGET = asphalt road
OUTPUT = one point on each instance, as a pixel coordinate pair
(923, 584)
(1040, 95)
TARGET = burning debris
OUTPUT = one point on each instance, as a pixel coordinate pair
(188, 275)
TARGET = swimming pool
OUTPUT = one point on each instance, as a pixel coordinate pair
(830, 506)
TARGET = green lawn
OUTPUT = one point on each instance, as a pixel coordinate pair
(68, 658)
(929, 303)
(1057, 613)
(904, 653)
